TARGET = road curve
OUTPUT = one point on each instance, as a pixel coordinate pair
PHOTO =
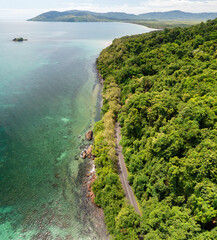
(122, 170)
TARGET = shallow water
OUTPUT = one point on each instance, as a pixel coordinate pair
(48, 96)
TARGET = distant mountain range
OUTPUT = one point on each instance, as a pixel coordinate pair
(86, 16)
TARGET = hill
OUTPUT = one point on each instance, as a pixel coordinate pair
(178, 15)
(87, 16)
(162, 89)
(77, 16)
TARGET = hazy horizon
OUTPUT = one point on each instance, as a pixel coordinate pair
(24, 9)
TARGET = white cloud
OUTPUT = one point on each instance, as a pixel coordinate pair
(183, 5)
(150, 6)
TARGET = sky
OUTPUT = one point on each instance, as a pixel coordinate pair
(24, 9)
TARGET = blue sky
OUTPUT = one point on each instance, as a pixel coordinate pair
(23, 9)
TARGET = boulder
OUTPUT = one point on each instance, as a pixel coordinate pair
(89, 188)
(92, 196)
(89, 151)
(89, 135)
(83, 154)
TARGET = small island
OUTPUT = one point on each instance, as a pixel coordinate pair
(19, 39)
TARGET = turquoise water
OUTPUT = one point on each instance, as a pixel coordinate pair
(48, 96)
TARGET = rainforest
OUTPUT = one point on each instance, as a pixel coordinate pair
(162, 89)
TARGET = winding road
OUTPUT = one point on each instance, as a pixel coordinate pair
(122, 170)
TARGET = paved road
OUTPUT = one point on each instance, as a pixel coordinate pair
(122, 169)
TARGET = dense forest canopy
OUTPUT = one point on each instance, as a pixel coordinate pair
(162, 88)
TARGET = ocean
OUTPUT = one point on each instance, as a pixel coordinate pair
(49, 96)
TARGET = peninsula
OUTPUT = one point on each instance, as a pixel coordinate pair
(174, 18)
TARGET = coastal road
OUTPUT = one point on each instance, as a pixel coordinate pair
(122, 170)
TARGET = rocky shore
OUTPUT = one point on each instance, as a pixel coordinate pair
(91, 175)
(100, 78)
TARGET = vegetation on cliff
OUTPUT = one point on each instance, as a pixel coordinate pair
(162, 88)
(121, 219)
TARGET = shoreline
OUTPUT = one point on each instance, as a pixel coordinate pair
(91, 172)
(99, 101)
(89, 169)
(93, 217)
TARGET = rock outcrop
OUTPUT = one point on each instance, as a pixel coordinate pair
(87, 152)
(83, 154)
(90, 193)
(89, 135)
(19, 39)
